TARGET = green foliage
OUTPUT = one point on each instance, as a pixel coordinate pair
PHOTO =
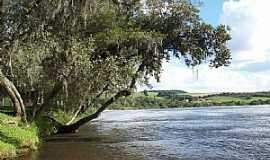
(44, 127)
(82, 53)
(62, 116)
(72, 51)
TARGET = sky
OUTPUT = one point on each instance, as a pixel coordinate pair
(249, 71)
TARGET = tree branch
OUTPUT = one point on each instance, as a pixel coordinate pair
(75, 126)
(81, 109)
(123, 93)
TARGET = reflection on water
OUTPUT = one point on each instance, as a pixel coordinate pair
(170, 134)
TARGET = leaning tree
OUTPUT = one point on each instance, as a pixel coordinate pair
(90, 53)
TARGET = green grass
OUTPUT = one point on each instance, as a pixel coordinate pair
(221, 99)
(224, 99)
(16, 137)
(7, 150)
(259, 98)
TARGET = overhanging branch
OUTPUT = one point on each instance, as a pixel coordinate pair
(81, 108)
(122, 93)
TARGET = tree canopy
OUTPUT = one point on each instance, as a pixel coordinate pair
(80, 51)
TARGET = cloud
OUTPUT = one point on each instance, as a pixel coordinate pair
(250, 46)
(255, 66)
(249, 22)
(211, 80)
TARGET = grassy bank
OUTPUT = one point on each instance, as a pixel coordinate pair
(16, 138)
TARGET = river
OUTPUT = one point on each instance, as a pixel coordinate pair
(240, 133)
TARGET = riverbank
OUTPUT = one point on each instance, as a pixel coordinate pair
(180, 99)
(16, 138)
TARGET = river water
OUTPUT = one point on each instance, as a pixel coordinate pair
(240, 133)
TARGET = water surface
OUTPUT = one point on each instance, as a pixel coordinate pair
(240, 133)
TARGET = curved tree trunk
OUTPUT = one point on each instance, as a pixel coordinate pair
(14, 95)
(85, 105)
(75, 126)
(75, 115)
(39, 110)
(124, 93)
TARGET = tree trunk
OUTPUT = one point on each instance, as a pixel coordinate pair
(76, 114)
(39, 110)
(14, 95)
(75, 126)
(85, 105)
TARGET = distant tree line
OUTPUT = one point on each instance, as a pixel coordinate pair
(164, 99)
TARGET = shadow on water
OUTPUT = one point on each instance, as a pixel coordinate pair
(82, 146)
(200, 133)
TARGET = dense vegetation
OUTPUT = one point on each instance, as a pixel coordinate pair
(77, 58)
(166, 99)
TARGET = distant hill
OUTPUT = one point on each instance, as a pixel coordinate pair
(164, 93)
(178, 98)
(168, 91)
(205, 95)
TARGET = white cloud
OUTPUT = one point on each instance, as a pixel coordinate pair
(211, 80)
(250, 45)
(249, 21)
